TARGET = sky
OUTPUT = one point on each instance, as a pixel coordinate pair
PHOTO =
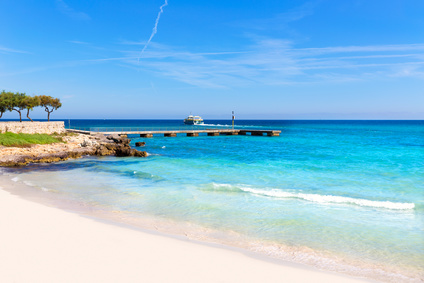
(263, 59)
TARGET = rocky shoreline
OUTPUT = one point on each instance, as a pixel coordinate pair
(74, 146)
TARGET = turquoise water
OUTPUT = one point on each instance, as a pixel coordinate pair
(340, 195)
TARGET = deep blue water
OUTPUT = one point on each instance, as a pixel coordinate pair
(339, 195)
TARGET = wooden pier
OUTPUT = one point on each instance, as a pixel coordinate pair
(188, 132)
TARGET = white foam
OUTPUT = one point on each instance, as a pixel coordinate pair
(331, 199)
(28, 183)
(328, 262)
(323, 199)
(15, 179)
(222, 185)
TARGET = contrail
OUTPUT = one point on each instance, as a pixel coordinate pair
(155, 30)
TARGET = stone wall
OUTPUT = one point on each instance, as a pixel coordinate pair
(33, 127)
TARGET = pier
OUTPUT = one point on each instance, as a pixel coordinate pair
(188, 132)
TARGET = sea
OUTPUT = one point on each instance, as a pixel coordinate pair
(342, 196)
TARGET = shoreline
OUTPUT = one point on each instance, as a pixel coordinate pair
(101, 249)
(74, 146)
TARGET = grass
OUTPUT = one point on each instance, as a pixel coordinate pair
(64, 134)
(26, 140)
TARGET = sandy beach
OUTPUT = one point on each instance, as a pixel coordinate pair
(46, 244)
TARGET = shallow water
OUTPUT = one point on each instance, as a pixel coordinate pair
(340, 195)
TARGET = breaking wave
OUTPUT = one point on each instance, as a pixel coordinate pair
(323, 199)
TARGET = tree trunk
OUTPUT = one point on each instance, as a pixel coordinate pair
(20, 116)
(48, 113)
(1, 114)
(28, 116)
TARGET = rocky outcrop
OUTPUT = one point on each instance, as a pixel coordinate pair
(138, 144)
(76, 146)
(120, 146)
(22, 160)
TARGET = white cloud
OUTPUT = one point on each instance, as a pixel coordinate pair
(267, 61)
(70, 12)
(272, 61)
(10, 50)
(282, 20)
(371, 48)
(78, 42)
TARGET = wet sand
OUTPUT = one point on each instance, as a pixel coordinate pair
(45, 244)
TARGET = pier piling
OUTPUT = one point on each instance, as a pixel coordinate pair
(146, 135)
(192, 134)
(188, 132)
(170, 134)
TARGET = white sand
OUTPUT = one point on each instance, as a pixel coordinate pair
(44, 244)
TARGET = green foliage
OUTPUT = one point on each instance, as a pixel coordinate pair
(6, 99)
(30, 103)
(18, 102)
(48, 101)
(64, 134)
(22, 140)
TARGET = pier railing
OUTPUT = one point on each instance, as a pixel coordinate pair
(166, 128)
(144, 129)
(191, 131)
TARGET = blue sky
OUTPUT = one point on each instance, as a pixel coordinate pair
(324, 59)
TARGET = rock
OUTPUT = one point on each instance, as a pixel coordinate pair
(110, 146)
(119, 139)
(140, 144)
(76, 147)
(99, 137)
(86, 143)
(103, 151)
(124, 151)
(113, 137)
(138, 153)
(78, 152)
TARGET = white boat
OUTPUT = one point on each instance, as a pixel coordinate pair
(193, 120)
